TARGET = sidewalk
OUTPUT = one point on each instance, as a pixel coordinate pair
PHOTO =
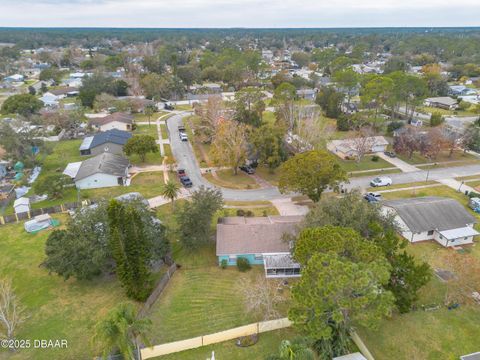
(286, 207)
(400, 164)
(456, 185)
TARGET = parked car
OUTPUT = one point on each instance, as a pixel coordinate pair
(183, 136)
(372, 197)
(181, 172)
(185, 180)
(390, 154)
(248, 169)
(474, 204)
(168, 106)
(381, 181)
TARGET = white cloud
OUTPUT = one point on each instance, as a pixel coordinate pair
(239, 13)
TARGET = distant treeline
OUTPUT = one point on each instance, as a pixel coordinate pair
(29, 38)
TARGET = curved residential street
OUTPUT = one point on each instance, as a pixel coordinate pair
(185, 156)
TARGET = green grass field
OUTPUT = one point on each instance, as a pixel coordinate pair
(227, 179)
(268, 344)
(267, 175)
(444, 156)
(147, 130)
(365, 164)
(57, 309)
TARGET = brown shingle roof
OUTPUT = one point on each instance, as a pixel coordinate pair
(258, 235)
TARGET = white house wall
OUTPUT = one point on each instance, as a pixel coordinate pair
(458, 242)
(96, 181)
(115, 125)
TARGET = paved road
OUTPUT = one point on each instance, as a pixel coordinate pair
(183, 153)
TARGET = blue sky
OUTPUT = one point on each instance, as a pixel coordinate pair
(239, 13)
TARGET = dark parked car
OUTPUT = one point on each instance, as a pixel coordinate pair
(390, 154)
(168, 106)
(372, 197)
(248, 169)
(185, 180)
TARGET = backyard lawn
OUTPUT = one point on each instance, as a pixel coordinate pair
(57, 309)
(268, 344)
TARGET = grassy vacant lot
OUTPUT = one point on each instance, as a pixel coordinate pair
(365, 164)
(226, 178)
(147, 130)
(418, 159)
(57, 309)
(266, 174)
(267, 345)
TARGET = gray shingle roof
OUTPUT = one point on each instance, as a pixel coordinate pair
(114, 136)
(258, 235)
(431, 213)
(105, 163)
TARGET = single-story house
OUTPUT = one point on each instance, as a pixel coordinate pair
(21, 205)
(444, 102)
(441, 219)
(104, 170)
(118, 120)
(261, 241)
(111, 141)
(307, 94)
(349, 148)
(16, 78)
(459, 90)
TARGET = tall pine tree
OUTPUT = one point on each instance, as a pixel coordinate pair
(130, 249)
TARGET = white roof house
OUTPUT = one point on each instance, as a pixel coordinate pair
(444, 102)
(433, 218)
(21, 205)
(350, 147)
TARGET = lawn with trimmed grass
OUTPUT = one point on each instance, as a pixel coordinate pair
(373, 174)
(365, 164)
(227, 179)
(438, 334)
(147, 130)
(267, 344)
(200, 301)
(443, 156)
(268, 175)
(57, 309)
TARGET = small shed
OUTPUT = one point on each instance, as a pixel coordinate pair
(21, 205)
(39, 222)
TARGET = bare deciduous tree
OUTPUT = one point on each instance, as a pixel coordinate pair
(230, 145)
(362, 142)
(211, 115)
(262, 297)
(12, 314)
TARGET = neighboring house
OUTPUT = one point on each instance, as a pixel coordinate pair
(3, 168)
(444, 102)
(16, 78)
(433, 218)
(350, 148)
(307, 94)
(260, 240)
(104, 170)
(118, 120)
(50, 100)
(111, 141)
(461, 90)
(21, 205)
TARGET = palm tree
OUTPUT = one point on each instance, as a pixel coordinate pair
(119, 331)
(171, 191)
(149, 111)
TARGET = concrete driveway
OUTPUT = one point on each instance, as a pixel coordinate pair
(398, 163)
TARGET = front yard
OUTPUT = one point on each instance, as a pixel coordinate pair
(226, 178)
(458, 157)
(365, 164)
